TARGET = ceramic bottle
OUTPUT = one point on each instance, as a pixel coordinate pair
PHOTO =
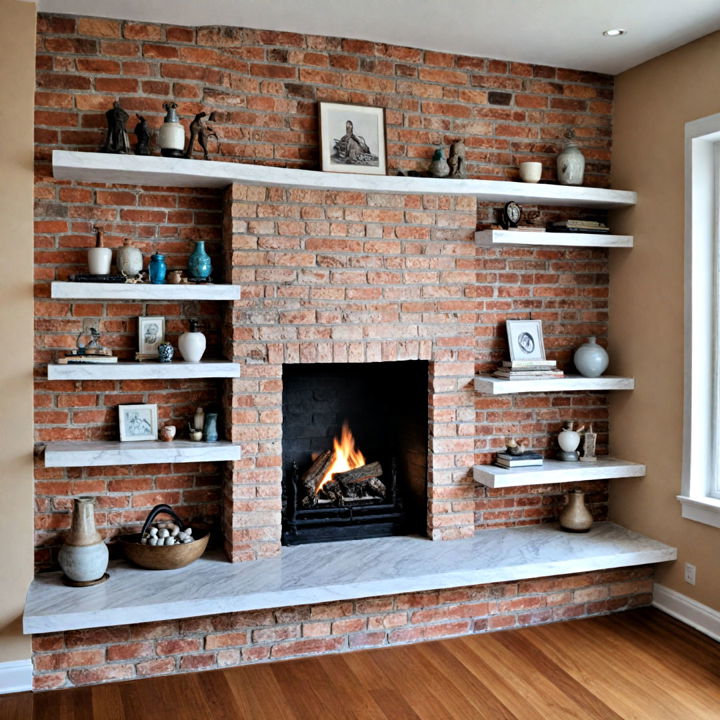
(171, 137)
(157, 269)
(84, 556)
(199, 264)
(570, 165)
(591, 359)
(99, 257)
(210, 428)
(129, 260)
(576, 517)
(192, 344)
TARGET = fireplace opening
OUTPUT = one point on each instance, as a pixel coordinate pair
(354, 450)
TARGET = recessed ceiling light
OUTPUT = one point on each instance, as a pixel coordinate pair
(615, 32)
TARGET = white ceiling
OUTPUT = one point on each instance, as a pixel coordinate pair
(563, 33)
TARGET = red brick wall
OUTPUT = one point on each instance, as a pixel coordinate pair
(313, 257)
(87, 657)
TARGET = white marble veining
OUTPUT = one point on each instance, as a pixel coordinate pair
(308, 574)
(555, 471)
(491, 238)
(177, 369)
(107, 452)
(142, 291)
(489, 385)
(174, 172)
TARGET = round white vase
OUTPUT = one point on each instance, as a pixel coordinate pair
(570, 165)
(192, 344)
(591, 359)
(129, 259)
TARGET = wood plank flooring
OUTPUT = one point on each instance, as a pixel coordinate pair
(641, 665)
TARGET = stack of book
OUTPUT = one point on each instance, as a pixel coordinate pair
(527, 459)
(90, 356)
(528, 370)
(578, 226)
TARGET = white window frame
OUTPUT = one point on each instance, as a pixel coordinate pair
(701, 423)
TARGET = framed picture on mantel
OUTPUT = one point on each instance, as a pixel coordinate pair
(352, 139)
(525, 340)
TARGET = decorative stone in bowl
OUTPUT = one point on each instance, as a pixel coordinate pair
(187, 545)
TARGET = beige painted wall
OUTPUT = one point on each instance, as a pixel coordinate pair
(652, 104)
(17, 84)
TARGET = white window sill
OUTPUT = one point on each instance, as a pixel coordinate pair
(704, 510)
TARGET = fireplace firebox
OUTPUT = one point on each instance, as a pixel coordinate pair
(354, 450)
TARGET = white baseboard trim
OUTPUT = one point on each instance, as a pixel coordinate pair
(687, 610)
(15, 676)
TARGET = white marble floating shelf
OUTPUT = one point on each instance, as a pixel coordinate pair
(492, 238)
(324, 572)
(178, 369)
(144, 291)
(555, 471)
(489, 385)
(174, 172)
(104, 453)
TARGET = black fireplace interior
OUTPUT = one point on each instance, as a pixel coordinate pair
(386, 408)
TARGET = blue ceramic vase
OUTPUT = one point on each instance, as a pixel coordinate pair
(210, 428)
(199, 265)
(157, 269)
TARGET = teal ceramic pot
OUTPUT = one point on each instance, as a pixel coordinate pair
(157, 269)
(210, 429)
(199, 264)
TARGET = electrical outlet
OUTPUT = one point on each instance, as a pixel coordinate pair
(689, 573)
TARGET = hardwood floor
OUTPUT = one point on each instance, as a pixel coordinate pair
(640, 664)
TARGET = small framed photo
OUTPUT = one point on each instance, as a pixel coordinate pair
(151, 333)
(525, 338)
(138, 422)
(352, 139)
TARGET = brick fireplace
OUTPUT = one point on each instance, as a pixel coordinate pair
(329, 278)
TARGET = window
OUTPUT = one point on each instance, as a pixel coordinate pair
(700, 496)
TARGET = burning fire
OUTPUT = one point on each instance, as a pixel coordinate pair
(345, 456)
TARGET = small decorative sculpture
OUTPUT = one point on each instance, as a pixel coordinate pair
(142, 133)
(513, 447)
(116, 140)
(569, 440)
(201, 131)
(94, 343)
(456, 161)
(439, 167)
(589, 443)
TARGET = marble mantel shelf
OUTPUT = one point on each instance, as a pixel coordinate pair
(174, 172)
(175, 370)
(309, 574)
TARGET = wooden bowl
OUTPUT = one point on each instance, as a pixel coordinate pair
(164, 557)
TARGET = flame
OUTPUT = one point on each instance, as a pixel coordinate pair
(345, 456)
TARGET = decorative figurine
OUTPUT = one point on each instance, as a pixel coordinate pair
(510, 215)
(439, 167)
(142, 133)
(589, 443)
(512, 447)
(171, 137)
(99, 257)
(456, 161)
(94, 344)
(201, 131)
(116, 140)
(569, 440)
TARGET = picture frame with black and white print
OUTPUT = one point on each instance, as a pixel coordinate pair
(138, 422)
(151, 333)
(352, 139)
(525, 339)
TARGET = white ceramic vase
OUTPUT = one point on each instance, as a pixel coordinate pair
(192, 344)
(129, 260)
(99, 260)
(570, 165)
(591, 359)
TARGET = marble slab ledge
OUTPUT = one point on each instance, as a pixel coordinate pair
(324, 572)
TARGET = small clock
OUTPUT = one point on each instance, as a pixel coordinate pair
(510, 215)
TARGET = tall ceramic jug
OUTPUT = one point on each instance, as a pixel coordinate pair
(84, 556)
